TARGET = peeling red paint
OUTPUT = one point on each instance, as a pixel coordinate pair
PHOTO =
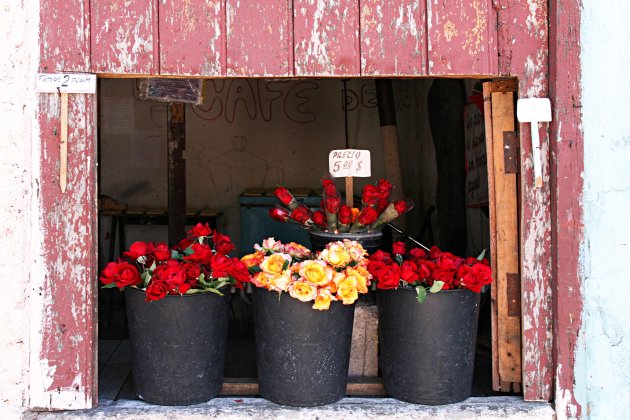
(326, 38)
(125, 37)
(259, 38)
(567, 186)
(393, 38)
(461, 37)
(522, 43)
(195, 31)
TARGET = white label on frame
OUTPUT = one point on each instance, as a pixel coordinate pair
(349, 162)
(66, 83)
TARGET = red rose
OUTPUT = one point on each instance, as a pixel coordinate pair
(408, 272)
(320, 219)
(388, 277)
(399, 248)
(375, 266)
(138, 249)
(300, 215)
(370, 195)
(193, 271)
(201, 254)
(447, 276)
(482, 272)
(384, 189)
(156, 290)
(108, 275)
(345, 215)
(173, 273)
(471, 261)
(418, 253)
(221, 266)
(448, 261)
(401, 206)
(161, 252)
(330, 190)
(200, 230)
(469, 280)
(381, 256)
(434, 253)
(127, 275)
(279, 214)
(332, 204)
(184, 244)
(239, 273)
(367, 216)
(425, 269)
(222, 243)
(284, 196)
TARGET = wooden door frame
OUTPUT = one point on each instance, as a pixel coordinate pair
(535, 42)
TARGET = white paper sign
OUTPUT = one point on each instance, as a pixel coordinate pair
(349, 162)
(66, 83)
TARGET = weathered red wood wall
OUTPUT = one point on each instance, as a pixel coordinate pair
(63, 350)
(285, 38)
(567, 164)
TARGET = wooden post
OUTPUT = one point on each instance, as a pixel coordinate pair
(176, 172)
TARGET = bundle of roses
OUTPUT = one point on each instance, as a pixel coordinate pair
(193, 266)
(376, 209)
(428, 271)
(337, 273)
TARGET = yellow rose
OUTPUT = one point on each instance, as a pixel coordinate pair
(260, 279)
(273, 264)
(280, 282)
(336, 255)
(323, 299)
(303, 291)
(361, 276)
(316, 272)
(347, 290)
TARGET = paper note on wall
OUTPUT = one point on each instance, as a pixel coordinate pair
(117, 115)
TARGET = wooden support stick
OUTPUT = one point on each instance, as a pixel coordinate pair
(63, 145)
(349, 191)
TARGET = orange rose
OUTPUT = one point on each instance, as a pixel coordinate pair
(347, 290)
(336, 255)
(303, 291)
(251, 260)
(323, 299)
(273, 264)
(362, 278)
(280, 282)
(260, 279)
(317, 272)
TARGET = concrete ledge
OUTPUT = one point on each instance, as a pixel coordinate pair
(348, 408)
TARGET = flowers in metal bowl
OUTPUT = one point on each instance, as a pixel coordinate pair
(198, 264)
(337, 273)
(428, 271)
(376, 209)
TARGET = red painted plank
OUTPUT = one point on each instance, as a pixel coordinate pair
(326, 37)
(461, 37)
(64, 36)
(393, 36)
(259, 38)
(192, 38)
(523, 47)
(567, 185)
(124, 37)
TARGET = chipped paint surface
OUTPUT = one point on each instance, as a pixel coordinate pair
(461, 37)
(393, 38)
(259, 38)
(124, 37)
(326, 37)
(196, 37)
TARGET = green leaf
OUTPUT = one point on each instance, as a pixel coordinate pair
(254, 269)
(398, 258)
(200, 239)
(437, 286)
(188, 251)
(153, 266)
(195, 291)
(422, 293)
(109, 286)
(215, 291)
(285, 265)
(146, 277)
(175, 255)
(483, 254)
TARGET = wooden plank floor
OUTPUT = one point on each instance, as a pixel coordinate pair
(115, 381)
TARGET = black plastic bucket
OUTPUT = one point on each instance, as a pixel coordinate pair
(370, 241)
(428, 349)
(302, 353)
(178, 346)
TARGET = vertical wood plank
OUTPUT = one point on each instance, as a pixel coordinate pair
(125, 37)
(259, 38)
(461, 37)
(507, 242)
(64, 35)
(176, 172)
(63, 365)
(192, 38)
(523, 44)
(326, 37)
(393, 37)
(566, 187)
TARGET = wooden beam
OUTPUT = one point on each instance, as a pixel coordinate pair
(176, 172)
(372, 387)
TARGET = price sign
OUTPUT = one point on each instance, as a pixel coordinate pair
(349, 163)
(66, 83)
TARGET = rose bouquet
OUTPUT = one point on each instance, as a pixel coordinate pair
(430, 271)
(377, 209)
(337, 273)
(193, 266)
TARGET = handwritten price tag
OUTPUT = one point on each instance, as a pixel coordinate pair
(349, 162)
(66, 83)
